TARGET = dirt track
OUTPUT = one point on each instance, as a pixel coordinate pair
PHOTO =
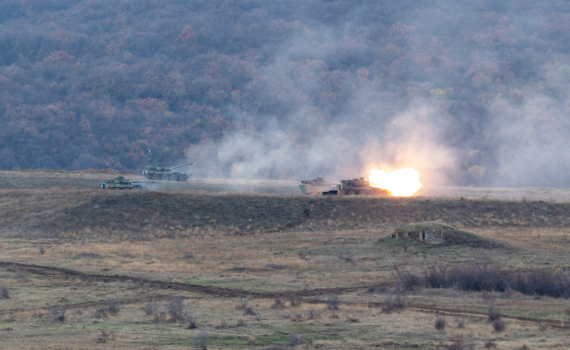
(239, 293)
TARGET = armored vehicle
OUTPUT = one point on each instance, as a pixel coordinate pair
(316, 186)
(161, 172)
(121, 183)
(359, 186)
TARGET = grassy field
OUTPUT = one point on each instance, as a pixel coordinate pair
(181, 268)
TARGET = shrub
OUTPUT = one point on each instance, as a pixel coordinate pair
(346, 256)
(493, 313)
(192, 323)
(242, 304)
(499, 325)
(103, 337)
(42, 249)
(249, 311)
(440, 323)
(352, 319)
(4, 292)
(295, 340)
(394, 303)
(278, 302)
(407, 280)
(490, 345)
(201, 342)
(333, 303)
(460, 322)
(458, 343)
(58, 311)
(176, 310)
(241, 323)
(294, 301)
(150, 307)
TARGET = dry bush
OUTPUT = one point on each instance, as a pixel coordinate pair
(440, 323)
(493, 313)
(490, 345)
(457, 342)
(346, 256)
(249, 311)
(41, 249)
(112, 307)
(460, 321)
(201, 342)
(278, 303)
(407, 280)
(352, 319)
(394, 303)
(104, 337)
(4, 292)
(294, 300)
(176, 309)
(499, 325)
(242, 304)
(58, 311)
(333, 302)
(150, 307)
(295, 340)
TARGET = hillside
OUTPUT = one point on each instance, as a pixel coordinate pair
(256, 89)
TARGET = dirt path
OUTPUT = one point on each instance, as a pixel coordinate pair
(240, 293)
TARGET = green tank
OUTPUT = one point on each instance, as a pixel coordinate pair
(121, 183)
(161, 172)
(360, 187)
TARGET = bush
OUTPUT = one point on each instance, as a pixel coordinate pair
(150, 307)
(458, 343)
(201, 342)
(277, 303)
(439, 323)
(42, 249)
(295, 340)
(104, 337)
(394, 303)
(58, 311)
(493, 313)
(242, 304)
(176, 310)
(333, 303)
(4, 292)
(249, 311)
(490, 345)
(499, 325)
(294, 301)
(460, 322)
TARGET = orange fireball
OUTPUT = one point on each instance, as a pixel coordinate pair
(403, 182)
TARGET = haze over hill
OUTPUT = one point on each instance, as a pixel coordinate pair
(467, 92)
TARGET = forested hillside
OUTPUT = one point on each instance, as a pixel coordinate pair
(469, 92)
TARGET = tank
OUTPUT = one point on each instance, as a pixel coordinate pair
(121, 183)
(360, 187)
(316, 186)
(161, 172)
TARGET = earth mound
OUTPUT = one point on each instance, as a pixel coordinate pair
(436, 233)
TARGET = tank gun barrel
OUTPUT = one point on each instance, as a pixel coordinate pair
(180, 166)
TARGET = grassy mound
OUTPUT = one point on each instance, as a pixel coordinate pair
(436, 233)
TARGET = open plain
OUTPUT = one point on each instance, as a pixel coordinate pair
(223, 264)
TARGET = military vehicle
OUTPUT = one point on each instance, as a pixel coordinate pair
(122, 183)
(316, 186)
(161, 172)
(359, 186)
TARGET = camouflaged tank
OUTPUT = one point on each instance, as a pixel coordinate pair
(161, 172)
(120, 183)
(359, 187)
